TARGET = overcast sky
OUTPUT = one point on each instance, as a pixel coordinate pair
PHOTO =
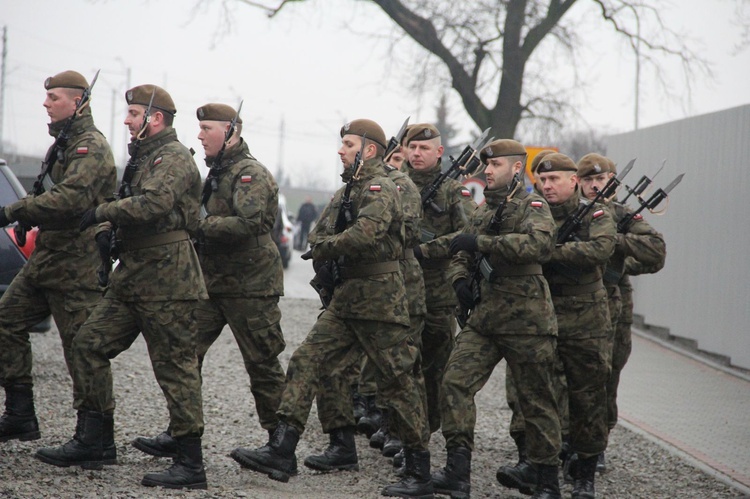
(306, 69)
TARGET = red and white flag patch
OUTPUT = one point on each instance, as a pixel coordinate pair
(598, 213)
(157, 161)
(375, 188)
(466, 193)
(82, 150)
(638, 217)
(536, 204)
(246, 179)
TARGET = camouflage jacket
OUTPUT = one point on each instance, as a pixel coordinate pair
(166, 189)
(375, 234)
(518, 304)
(243, 208)
(64, 257)
(438, 229)
(411, 202)
(580, 263)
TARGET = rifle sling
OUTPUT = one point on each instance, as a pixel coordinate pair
(369, 269)
(216, 248)
(162, 239)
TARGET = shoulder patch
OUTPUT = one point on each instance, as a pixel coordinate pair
(375, 188)
(157, 161)
(82, 150)
(466, 192)
(536, 204)
(398, 188)
(638, 217)
(598, 213)
(246, 179)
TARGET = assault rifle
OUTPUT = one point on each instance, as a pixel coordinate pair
(56, 153)
(212, 180)
(125, 191)
(395, 141)
(466, 164)
(652, 202)
(462, 315)
(642, 184)
(572, 224)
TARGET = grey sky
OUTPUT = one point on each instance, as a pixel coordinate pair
(305, 67)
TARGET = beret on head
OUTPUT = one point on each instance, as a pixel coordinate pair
(367, 128)
(142, 95)
(421, 131)
(538, 158)
(594, 164)
(66, 79)
(217, 112)
(556, 162)
(502, 147)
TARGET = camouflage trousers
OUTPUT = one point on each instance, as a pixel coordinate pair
(437, 343)
(333, 345)
(256, 328)
(24, 305)
(333, 398)
(622, 346)
(614, 305)
(169, 330)
(471, 363)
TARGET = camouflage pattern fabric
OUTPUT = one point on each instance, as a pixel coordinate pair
(153, 290)
(514, 320)
(60, 276)
(456, 206)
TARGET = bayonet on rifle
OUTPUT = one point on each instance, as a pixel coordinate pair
(654, 201)
(396, 140)
(642, 184)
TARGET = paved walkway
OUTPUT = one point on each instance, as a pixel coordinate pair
(693, 407)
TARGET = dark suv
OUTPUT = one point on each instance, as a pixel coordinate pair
(12, 256)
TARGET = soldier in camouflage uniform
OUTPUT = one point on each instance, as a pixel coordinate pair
(241, 266)
(513, 319)
(640, 244)
(153, 290)
(443, 219)
(574, 274)
(60, 276)
(367, 312)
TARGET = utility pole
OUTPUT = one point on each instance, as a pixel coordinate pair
(281, 180)
(2, 87)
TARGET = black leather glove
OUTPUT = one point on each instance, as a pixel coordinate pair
(103, 240)
(88, 219)
(418, 253)
(307, 255)
(464, 293)
(3, 219)
(464, 242)
(324, 276)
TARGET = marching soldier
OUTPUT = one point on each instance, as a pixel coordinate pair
(646, 251)
(506, 240)
(367, 312)
(241, 265)
(60, 276)
(153, 290)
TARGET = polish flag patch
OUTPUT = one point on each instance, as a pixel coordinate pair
(375, 188)
(82, 150)
(157, 161)
(598, 213)
(638, 217)
(536, 204)
(466, 193)
(398, 188)
(246, 179)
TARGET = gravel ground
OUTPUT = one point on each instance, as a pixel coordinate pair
(638, 467)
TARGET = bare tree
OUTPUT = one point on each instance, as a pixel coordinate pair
(489, 51)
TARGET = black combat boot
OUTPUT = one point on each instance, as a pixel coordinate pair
(84, 449)
(109, 449)
(341, 453)
(377, 440)
(370, 422)
(399, 464)
(19, 419)
(455, 479)
(277, 458)
(547, 485)
(162, 445)
(187, 470)
(392, 446)
(568, 458)
(360, 406)
(522, 476)
(583, 478)
(417, 481)
(601, 464)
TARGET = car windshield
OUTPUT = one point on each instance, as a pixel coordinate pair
(7, 193)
